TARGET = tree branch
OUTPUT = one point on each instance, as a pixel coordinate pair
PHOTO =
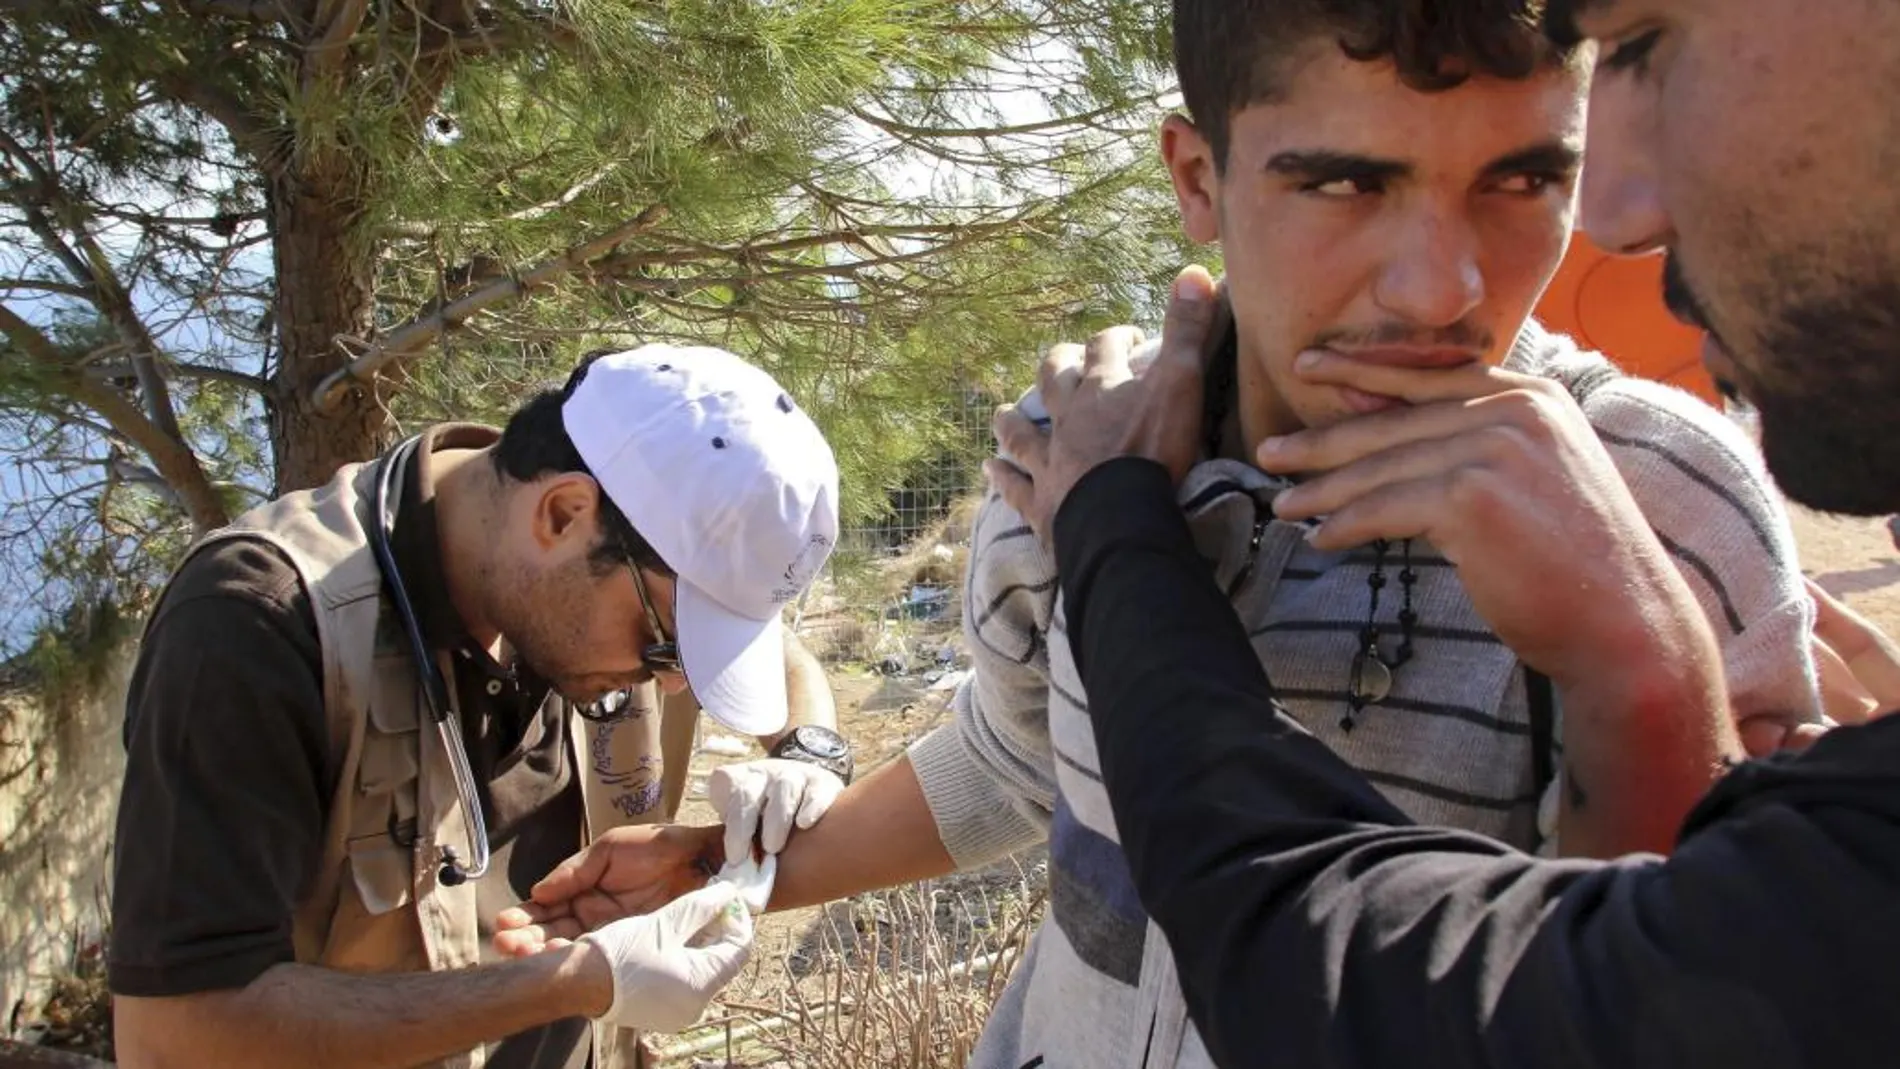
(406, 339)
(206, 372)
(903, 130)
(129, 471)
(31, 340)
(548, 207)
(487, 37)
(45, 285)
(246, 132)
(108, 294)
(264, 12)
(340, 19)
(171, 456)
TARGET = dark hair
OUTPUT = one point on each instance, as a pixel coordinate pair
(1230, 54)
(535, 443)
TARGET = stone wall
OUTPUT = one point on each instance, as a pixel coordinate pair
(59, 784)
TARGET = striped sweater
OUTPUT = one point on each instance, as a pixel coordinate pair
(1450, 745)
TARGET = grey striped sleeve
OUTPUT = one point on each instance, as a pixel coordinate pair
(1704, 489)
(988, 775)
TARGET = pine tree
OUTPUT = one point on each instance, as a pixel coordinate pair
(244, 242)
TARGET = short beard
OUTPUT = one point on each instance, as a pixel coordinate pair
(1828, 397)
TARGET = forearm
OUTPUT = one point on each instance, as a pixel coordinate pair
(1647, 725)
(879, 833)
(807, 692)
(297, 1016)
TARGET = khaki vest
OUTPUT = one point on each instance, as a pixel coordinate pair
(375, 905)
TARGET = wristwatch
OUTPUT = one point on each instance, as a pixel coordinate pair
(819, 746)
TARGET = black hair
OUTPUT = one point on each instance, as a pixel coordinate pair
(535, 443)
(1230, 54)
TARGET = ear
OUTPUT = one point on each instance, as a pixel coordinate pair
(566, 509)
(1191, 166)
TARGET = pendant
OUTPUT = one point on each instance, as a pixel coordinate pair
(1371, 678)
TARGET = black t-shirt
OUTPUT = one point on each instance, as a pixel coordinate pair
(222, 815)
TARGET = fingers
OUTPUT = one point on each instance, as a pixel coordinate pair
(1059, 374)
(1871, 656)
(1186, 332)
(593, 909)
(1019, 439)
(1399, 510)
(1413, 385)
(818, 798)
(1763, 735)
(1843, 698)
(577, 874)
(1016, 489)
(743, 816)
(1343, 443)
(520, 942)
(721, 959)
(720, 793)
(691, 913)
(1107, 358)
(1421, 459)
(1804, 736)
(782, 794)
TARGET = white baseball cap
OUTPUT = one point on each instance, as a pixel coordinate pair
(734, 487)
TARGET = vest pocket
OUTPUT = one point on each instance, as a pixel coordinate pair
(375, 928)
(383, 872)
(383, 825)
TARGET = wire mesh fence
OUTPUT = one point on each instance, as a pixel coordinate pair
(888, 599)
(925, 494)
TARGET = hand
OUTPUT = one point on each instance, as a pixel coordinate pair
(668, 965)
(1100, 411)
(1859, 665)
(1504, 475)
(763, 799)
(625, 872)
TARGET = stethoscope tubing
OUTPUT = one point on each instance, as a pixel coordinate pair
(434, 688)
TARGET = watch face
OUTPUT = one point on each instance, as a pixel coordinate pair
(819, 742)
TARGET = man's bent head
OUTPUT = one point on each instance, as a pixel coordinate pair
(1390, 180)
(1758, 141)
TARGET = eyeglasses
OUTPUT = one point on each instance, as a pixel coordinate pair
(664, 655)
(661, 656)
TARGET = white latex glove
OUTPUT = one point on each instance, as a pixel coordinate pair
(667, 965)
(754, 880)
(765, 798)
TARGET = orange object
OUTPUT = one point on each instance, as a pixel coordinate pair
(1614, 304)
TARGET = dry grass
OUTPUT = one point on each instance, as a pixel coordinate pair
(77, 1016)
(903, 979)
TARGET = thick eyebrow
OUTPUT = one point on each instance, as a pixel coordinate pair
(1550, 157)
(1560, 19)
(1320, 165)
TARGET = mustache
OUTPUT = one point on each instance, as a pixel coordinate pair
(1678, 297)
(1460, 335)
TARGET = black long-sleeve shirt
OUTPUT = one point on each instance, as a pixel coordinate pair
(1313, 925)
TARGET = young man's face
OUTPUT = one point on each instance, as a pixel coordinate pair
(1759, 141)
(1357, 214)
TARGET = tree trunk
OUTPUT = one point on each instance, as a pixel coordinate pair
(325, 291)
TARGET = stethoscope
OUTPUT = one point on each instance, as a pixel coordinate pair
(435, 689)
